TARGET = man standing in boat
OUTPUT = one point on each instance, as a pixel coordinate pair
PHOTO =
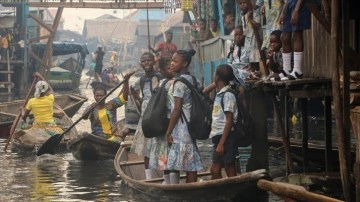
(99, 56)
(166, 48)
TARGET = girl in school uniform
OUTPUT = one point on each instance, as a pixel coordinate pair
(183, 154)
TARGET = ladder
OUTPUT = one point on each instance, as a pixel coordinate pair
(5, 82)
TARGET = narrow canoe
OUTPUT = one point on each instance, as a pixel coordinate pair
(28, 140)
(130, 168)
(90, 147)
(69, 103)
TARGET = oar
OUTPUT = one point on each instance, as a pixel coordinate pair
(50, 144)
(13, 126)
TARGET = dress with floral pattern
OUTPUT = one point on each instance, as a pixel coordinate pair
(159, 146)
(141, 145)
(272, 12)
(184, 154)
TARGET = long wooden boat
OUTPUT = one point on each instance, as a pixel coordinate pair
(90, 147)
(27, 140)
(131, 169)
(69, 103)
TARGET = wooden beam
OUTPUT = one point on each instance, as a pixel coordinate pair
(132, 5)
(38, 20)
(36, 39)
(38, 60)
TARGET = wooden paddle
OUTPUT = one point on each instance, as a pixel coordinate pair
(50, 144)
(15, 123)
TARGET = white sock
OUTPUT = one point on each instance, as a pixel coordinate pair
(166, 178)
(174, 178)
(297, 62)
(148, 174)
(286, 62)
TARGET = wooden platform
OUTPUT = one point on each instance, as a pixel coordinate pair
(303, 89)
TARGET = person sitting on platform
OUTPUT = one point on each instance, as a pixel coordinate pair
(103, 117)
(42, 107)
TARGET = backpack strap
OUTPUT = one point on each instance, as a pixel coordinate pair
(142, 83)
(191, 87)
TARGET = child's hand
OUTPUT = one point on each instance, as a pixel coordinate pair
(220, 149)
(270, 53)
(128, 75)
(295, 18)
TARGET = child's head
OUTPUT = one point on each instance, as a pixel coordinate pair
(99, 92)
(275, 41)
(164, 66)
(238, 35)
(147, 61)
(213, 25)
(243, 6)
(224, 72)
(202, 24)
(181, 60)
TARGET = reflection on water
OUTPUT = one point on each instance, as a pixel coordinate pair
(62, 178)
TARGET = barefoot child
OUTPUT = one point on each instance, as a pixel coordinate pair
(222, 133)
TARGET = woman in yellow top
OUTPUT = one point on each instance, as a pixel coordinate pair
(42, 107)
(103, 118)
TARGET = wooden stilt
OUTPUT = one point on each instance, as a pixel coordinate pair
(355, 120)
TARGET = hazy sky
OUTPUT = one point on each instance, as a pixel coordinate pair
(74, 17)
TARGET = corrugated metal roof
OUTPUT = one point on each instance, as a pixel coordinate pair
(154, 14)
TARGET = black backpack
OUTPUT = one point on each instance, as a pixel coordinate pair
(155, 121)
(245, 126)
(199, 125)
(142, 82)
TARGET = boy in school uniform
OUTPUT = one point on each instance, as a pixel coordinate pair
(222, 134)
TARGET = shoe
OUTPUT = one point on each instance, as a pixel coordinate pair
(292, 76)
(279, 77)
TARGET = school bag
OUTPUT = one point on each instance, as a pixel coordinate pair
(245, 126)
(199, 125)
(142, 82)
(155, 121)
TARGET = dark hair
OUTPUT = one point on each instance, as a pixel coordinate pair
(164, 62)
(202, 20)
(100, 87)
(169, 32)
(225, 73)
(276, 33)
(213, 20)
(186, 55)
(149, 54)
(239, 27)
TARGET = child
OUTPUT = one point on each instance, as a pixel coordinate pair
(141, 145)
(183, 154)
(159, 146)
(223, 116)
(103, 117)
(275, 61)
(295, 18)
(237, 47)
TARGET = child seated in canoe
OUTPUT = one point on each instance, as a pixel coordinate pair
(222, 133)
(103, 116)
(42, 107)
(109, 77)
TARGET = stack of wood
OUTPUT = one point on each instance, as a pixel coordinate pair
(355, 88)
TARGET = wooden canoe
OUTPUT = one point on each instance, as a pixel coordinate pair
(131, 169)
(90, 147)
(29, 140)
(69, 103)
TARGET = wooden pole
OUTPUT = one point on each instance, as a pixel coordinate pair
(147, 21)
(292, 191)
(344, 171)
(355, 120)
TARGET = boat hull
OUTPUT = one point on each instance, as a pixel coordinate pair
(90, 147)
(131, 170)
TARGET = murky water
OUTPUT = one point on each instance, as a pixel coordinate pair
(60, 177)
